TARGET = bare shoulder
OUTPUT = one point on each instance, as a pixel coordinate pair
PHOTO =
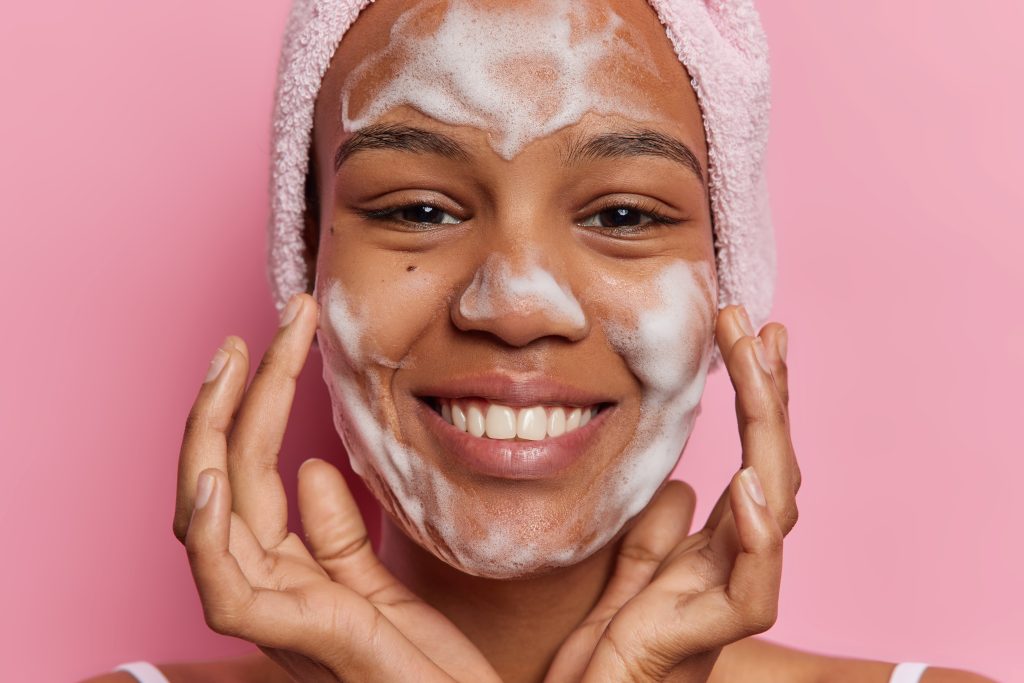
(254, 668)
(755, 660)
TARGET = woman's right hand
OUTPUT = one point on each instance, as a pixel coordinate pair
(327, 613)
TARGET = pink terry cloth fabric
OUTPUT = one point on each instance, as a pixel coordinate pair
(720, 42)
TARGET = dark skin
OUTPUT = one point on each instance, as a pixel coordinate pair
(406, 613)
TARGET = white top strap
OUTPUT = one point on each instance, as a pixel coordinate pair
(144, 672)
(908, 672)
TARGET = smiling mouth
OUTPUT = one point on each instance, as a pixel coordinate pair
(488, 420)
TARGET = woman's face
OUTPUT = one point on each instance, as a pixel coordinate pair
(515, 270)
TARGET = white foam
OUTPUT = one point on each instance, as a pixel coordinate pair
(673, 370)
(497, 290)
(675, 308)
(519, 73)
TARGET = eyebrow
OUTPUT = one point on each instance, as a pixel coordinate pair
(636, 142)
(401, 138)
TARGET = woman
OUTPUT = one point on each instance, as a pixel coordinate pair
(522, 228)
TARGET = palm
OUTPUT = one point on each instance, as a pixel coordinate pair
(326, 611)
(367, 602)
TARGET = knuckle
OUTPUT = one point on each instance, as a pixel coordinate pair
(769, 412)
(226, 618)
(790, 516)
(196, 420)
(754, 616)
(761, 618)
(710, 568)
(180, 525)
(220, 620)
(640, 553)
(273, 363)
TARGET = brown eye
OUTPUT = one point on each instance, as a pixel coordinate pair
(425, 213)
(412, 214)
(619, 217)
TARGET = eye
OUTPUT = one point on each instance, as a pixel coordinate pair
(422, 214)
(617, 217)
(627, 218)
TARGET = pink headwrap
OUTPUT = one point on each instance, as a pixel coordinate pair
(720, 42)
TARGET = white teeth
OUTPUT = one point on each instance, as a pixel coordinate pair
(501, 422)
(458, 417)
(495, 421)
(532, 424)
(556, 422)
(475, 422)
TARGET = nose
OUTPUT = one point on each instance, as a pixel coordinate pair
(519, 300)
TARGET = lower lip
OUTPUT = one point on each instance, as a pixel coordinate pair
(509, 459)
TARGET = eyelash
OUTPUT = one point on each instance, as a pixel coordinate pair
(646, 210)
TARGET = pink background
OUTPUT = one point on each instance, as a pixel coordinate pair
(134, 168)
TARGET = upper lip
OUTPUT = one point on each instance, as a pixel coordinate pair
(513, 389)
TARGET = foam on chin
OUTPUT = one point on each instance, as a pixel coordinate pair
(436, 514)
(485, 67)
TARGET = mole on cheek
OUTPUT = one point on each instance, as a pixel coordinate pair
(409, 269)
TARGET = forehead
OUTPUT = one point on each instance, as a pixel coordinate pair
(528, 68)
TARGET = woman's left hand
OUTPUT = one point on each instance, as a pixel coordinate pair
(676, 599)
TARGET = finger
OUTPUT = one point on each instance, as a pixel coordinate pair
(204, 444)
(776, 341)
(732, 324)
(671, 623)
(748, 602)
(335, 530)
(662, 527)
(326, 622)
(229, 601)
(255, 442)
(764, 427)
(753, 589)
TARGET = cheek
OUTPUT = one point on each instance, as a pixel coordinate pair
(663, 325)
(392, 312)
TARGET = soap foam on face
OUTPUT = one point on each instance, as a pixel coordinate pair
(498, 290)
(667, 345)
(518, 73)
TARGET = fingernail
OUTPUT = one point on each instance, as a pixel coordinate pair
(220, 359)
(752, 485)
(203, 490)
(759, 353)
(782, 343)
(745, 324)
(291, 310)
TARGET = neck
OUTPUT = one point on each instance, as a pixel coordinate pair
(518, 624)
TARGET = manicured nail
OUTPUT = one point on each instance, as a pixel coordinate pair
(220, 359)
(782, 343)
(752, 484)
(203, 490)
(291, 310)
(762, 359)
(745, 324)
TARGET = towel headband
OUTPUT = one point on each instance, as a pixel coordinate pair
(720, 42)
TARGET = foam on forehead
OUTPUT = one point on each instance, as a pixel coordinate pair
(518, 73)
